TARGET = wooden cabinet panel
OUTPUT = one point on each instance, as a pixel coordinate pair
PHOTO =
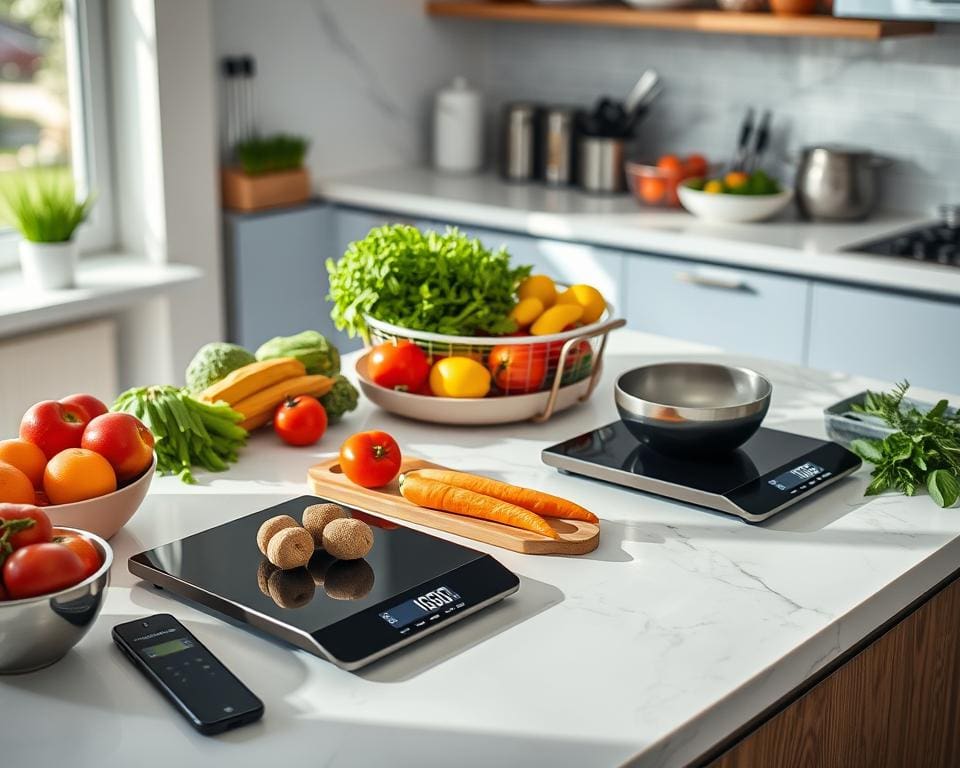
(736, 310)
(894, 705)
(886, 336)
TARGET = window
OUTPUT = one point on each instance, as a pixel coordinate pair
(53, 109)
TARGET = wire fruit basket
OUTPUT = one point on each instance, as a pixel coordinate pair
(548, 373)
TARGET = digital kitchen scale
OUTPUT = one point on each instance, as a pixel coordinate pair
(768, 473)
(353, 612)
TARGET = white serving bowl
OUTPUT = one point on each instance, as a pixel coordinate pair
(730, 209)
(104, 515)
(472, 411)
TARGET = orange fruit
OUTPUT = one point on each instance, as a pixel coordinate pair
(15, 487)
(26, 457)
(77, 474)
(652, 189)
(736, 179)
(670, 164)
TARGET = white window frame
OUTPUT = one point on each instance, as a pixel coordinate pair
(85, 47)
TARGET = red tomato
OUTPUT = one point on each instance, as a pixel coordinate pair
(89, 403)
(371, 459)
(578, 363)
(300, 420)
(41, 531)
(401, 366)
(518, 368)
(40, 569)
(695, 165)
(83, 548)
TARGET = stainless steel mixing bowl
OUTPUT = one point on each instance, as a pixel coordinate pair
(692, 409)
(37, 631)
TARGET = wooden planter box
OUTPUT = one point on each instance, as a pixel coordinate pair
(269, 190)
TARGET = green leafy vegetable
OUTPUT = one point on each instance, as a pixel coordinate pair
(426, 281)
(270, 154)
(923, 453)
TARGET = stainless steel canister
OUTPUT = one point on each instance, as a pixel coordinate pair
(557, 131)
(518, 150)
(601, 165)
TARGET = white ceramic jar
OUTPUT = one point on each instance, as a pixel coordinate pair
(48, 266)
(458, 128)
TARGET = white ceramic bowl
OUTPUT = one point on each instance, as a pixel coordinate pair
(473, 411)
(104, 515)
(729, 209)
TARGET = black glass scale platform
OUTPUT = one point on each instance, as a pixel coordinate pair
(767, 474)
(410, 585)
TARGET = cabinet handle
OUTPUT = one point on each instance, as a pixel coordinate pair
(713, 281)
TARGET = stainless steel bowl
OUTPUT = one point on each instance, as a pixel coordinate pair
(837, 183)
(692, 409)
(37, 631)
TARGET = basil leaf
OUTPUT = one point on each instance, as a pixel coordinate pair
(943, 488)
(868, 450)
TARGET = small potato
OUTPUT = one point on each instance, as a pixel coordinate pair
(347, 539)
(316, 517)
(270, 527)
(290, 548)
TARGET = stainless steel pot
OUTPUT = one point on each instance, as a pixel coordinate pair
(601, 164)
(837, 183)
(692, 409)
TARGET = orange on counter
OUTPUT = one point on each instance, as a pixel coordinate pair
(77, 474)
(26, 457)
(15, 486)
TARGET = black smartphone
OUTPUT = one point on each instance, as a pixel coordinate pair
(194, 680)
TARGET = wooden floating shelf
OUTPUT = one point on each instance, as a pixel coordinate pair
(692, 19)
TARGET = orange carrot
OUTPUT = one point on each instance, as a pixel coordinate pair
(460, 501)
(535, 501)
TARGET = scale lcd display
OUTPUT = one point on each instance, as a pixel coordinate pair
(167, 648)
(423, 607)
(796, 476)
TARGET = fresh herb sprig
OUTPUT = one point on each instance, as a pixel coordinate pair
(923, 452)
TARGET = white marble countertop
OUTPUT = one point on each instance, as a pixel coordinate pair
(104, 284)
(682, 626)
(785, 245)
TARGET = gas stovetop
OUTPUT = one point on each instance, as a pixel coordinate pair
(936, 243)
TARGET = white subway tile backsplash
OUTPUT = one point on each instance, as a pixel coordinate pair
(899, 97)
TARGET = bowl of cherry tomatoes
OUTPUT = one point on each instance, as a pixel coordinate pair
(656, 184)
(52, 585)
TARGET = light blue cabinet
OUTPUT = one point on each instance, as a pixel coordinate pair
(737, 310)
(350, 224)
(886, 336)
(568, 263)
(276, 276)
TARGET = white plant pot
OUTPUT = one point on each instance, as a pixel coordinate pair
(48, 266)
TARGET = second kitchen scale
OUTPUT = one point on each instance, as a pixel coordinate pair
(352, 612)
(767, 474)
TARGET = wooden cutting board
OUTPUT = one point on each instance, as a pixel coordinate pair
(327, 479)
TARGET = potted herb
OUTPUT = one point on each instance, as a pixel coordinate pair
(43, 206)
(270, 173)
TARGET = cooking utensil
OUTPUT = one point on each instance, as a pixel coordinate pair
(643, 94)
(692, 409)
(327, 479)
(557, 145)
(600, 167)
(837, 183)
(733, 209)
(743, 141)
(38, 631)
(760, 143)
